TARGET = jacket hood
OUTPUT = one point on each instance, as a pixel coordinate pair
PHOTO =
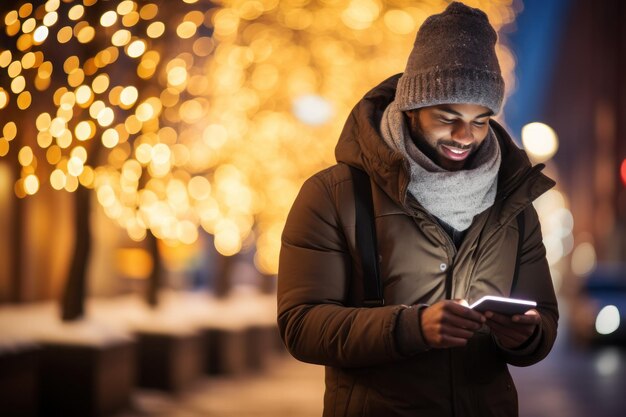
(362, 146)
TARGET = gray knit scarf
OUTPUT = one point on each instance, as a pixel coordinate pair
(454, 197)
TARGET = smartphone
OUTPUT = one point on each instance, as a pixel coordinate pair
(503, 305)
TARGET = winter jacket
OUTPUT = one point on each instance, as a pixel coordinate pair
(377, 363)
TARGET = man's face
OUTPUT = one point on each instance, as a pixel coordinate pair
(449, 134)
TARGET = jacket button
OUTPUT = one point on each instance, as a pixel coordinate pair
(443, 267)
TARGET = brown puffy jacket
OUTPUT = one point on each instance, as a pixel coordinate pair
(376, 362)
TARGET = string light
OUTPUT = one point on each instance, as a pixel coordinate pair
(224, 119)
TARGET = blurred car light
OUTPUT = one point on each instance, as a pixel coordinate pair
(607, 320)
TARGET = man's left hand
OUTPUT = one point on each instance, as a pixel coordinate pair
(513, 331)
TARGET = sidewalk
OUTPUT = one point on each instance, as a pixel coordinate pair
(286, 389)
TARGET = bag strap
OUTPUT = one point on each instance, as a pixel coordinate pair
(365, 231)
(520, 243)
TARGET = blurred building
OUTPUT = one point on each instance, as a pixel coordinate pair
(585, 102)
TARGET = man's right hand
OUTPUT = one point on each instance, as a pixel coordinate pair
(449, 323)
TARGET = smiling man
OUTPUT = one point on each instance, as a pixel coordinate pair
(452, 220)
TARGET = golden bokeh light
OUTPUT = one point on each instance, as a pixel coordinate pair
(95, 108)
(71, 64)
(43, 121)
(24, 100)
(15, 68)
(130, 19)
(28, 60)
(9, 131)
(126, 7)
(18, 84)
(199, 188)
(31, 184)
(11, 17)
(83, 95)
(25, 10)
(4, 146)
(177, 76)
(210, 115)
(121, 37)
(136, 48)
(45, 69)
(100, 83)
(144, 112)
(128, 96)
(106, 117)
(50, 18)
(143, 153)
(44, 139)
(25, 156)
(76, 12)
(75, 166)
(540, 141)
(108, 19)
(58, 179)
(64, 140)
(52, 5)
(64, 35)
(71, 183)
(5, 58)
(84, 130)
(149, 11)
(110, 138)
(86, 34)
(87, 177)
(155, 29)
(40, 35)
(29, 25)
(4, 98)
(186, 30)
(54, 155)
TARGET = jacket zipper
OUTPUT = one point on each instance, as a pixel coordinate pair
(448, 290)
(450, 247)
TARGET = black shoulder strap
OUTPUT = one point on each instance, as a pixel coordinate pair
(520, 243)
(366, 238)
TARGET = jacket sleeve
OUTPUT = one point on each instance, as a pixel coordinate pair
(535, 283)
(313, 284)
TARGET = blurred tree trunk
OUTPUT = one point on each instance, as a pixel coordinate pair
(223, 269)
(17, 238)
(73, 300)
(75, 293)
(155, 280)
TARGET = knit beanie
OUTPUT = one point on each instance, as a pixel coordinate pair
(453, 61)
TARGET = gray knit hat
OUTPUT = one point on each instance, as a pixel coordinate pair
(453, 61)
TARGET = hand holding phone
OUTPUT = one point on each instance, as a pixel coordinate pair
(512, 321)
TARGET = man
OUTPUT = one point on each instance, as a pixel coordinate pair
(452, 198)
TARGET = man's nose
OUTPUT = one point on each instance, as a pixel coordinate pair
(462, 133)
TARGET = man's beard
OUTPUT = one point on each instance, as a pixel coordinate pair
(433, 153)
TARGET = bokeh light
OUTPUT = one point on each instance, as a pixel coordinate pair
(195, 114)
(540, 141)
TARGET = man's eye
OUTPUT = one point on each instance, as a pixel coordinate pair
(446, 121)
(479, 124)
